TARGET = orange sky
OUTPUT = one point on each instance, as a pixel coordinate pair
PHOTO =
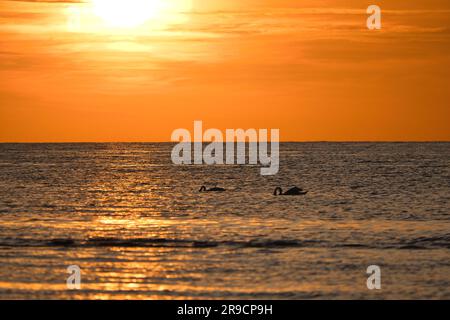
(309, 68)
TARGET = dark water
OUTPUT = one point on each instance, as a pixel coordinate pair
(138, 228)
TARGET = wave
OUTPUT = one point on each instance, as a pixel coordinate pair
(442, 241)
(422, 243)
(150, 242)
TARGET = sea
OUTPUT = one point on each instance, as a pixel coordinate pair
(134, 226)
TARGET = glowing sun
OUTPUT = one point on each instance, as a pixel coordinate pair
(132, 13)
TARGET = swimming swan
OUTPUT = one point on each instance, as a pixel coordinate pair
(291, 192)
(215, 189)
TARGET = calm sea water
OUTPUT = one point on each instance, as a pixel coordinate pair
(138, 228)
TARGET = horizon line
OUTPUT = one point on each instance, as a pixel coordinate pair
(176, 142)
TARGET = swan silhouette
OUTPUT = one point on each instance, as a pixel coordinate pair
(215, 189)
(291, 192)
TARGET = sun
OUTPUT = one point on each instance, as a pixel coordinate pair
(127, 13)
(131, 13)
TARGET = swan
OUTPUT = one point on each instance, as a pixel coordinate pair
(215, 189)
(291, 192)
